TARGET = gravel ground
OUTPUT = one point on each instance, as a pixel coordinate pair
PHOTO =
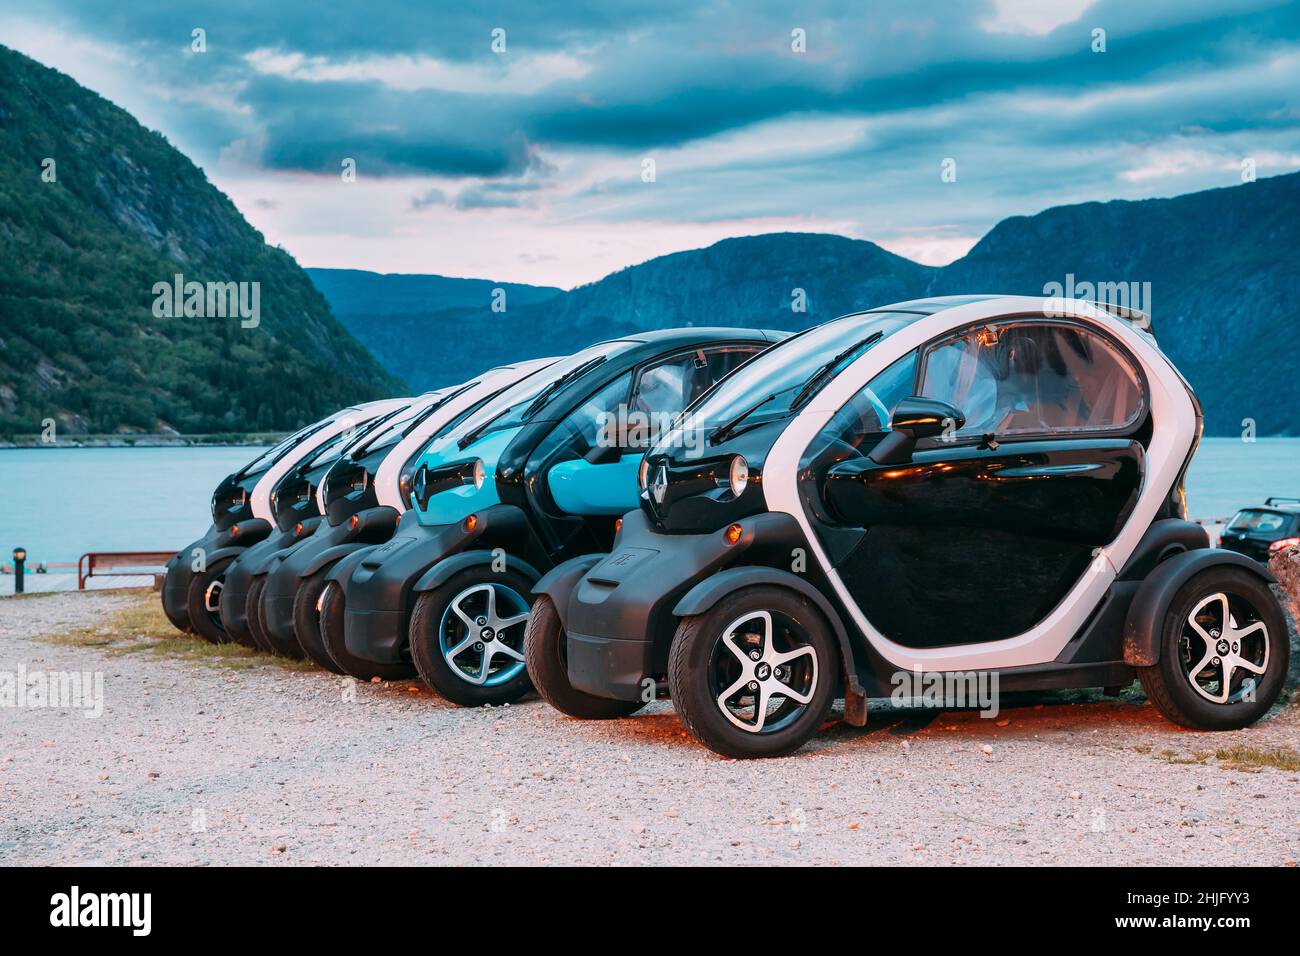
(197, 762)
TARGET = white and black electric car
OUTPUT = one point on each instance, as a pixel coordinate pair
(242, 516)
(955, 485)
(362, 497)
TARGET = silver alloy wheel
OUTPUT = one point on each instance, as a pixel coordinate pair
(1227, 647)
(487, 633)
(766, 675)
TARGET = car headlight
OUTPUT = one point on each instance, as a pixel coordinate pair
(738, 475)
(643, 473)
(479, 473)
(420, 485)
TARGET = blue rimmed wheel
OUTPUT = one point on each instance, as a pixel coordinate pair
(467, 637)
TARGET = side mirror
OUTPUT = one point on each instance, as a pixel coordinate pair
(911, 420)
(603, 454)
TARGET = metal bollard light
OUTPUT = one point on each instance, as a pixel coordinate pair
(20, 559)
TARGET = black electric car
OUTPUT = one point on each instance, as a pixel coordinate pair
(1262, 532)
(363, 496)
(242, 517)
(961, 487)
(541, 474)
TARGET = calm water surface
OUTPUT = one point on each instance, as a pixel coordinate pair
(61, 502)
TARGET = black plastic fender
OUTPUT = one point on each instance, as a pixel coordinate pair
(717, 586)
(1144, 624)
(559, 582)
(228, 552)
(343, 569)
(329, 556)
(441, 572)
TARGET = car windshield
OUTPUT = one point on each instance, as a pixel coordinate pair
(408, 421)
(272, 455)
(768, 385)
(517, 404)
(1258, 520)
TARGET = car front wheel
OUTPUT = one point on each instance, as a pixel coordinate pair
(755, 675)
(467, 637)
(1224, 652)
(545, 647)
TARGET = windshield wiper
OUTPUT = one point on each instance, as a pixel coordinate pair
(722, 432)
(558, 384)
(818, 377)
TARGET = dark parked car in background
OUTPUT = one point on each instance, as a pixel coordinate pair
(1261, 533)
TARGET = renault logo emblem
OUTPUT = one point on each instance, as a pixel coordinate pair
(659, 487)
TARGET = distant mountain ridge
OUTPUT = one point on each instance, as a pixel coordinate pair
(1222, 268)
(95, 211)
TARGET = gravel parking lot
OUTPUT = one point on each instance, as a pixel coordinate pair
(206, 758)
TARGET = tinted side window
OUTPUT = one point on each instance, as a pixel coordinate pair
(665, 389)
(1031, 378)
(867, 413)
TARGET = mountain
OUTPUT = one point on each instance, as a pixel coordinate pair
(1222, 267)
(84, 241)
(1224, 285)
(394, 314)
(747, 281)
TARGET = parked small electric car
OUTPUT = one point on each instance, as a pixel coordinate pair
(539, 475)
(362, 498)
(951, 486)
(241, 517)
(1260, 533)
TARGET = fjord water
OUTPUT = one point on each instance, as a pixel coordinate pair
(61, 502)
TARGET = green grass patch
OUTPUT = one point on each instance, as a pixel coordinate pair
(143, 628)
(1254, 759)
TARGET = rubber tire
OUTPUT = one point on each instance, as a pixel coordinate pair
(435, 671)
(257, 624)
(688, 659)
(253, 615)
(1168, 689)
(180, 623)
(333, 606)
(306, 620)
(544, 651)
(194, 603)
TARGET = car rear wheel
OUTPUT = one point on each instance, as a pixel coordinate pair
(467, 637)
(546, 654)
(306, 619)
(755, 675)
(204, 602)
(332, 607)
(1224, 652)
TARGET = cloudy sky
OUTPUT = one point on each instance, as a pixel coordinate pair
(522, 155)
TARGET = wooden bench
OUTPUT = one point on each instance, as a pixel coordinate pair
(121, 564)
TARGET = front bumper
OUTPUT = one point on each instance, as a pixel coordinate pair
(239, 578)
(618, 618)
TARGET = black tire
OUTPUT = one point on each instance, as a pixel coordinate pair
(426, 652)
(207, 622)
(180, 616)
(1168, 683)
(306, 620)
(257, 624)
(333, 606)
(545, 646)
(698, 656)
(253, 615)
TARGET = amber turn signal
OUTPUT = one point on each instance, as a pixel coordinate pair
(732, 534)
(297, 529)
(618, 525)
(471, 522)
(353, 522)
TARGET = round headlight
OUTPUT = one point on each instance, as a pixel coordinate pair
(643, 473)
(479, 473)
(739, 476)
(420, 483)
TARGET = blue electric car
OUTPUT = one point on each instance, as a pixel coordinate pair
(541, 474)
(361, 499)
